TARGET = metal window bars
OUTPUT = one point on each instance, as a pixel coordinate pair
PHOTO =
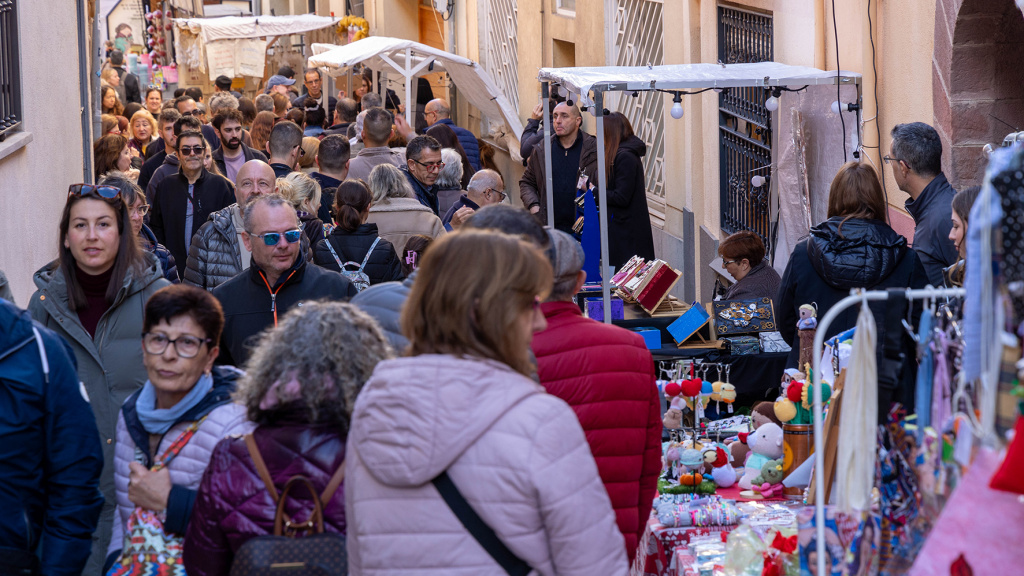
(10, 72)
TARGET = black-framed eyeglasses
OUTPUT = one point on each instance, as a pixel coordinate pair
(108, 192)
(889, 159)
(197, 150)
(499, 192)
(141, 210)
(195, 112)
(186, 345)
(272, 238)
(429, 165)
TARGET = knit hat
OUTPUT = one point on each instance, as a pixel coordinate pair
(566, 255)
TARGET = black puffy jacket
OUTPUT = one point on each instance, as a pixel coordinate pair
(825, 267)
(383, 265)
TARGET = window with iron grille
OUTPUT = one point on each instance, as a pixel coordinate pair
(744, 127)
(501, 50)
(10, 73)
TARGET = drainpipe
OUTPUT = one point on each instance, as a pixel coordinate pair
(85, 86)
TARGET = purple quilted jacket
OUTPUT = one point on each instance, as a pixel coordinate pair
(233, 504)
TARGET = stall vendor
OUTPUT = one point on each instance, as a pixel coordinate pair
(743, 257)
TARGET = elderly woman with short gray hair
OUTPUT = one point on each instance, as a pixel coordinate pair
(300, 387)
(395, 209)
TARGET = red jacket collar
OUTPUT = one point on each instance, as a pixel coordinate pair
(552, 309)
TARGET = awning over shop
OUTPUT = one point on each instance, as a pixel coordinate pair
(412, 59)
(235, 27)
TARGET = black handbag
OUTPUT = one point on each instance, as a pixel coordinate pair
(296, 548)
(481, 532)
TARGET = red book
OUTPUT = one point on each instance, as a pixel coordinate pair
(656, 286)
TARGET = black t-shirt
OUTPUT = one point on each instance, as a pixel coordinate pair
(565, 167)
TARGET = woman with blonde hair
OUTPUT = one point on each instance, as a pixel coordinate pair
(307, 161)
(303, 193)
(299, 388)
(142, 129)
(396, 211)
(507, 446)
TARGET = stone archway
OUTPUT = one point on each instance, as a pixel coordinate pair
(977, 77)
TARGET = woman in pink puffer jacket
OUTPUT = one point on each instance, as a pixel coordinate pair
(461, 402)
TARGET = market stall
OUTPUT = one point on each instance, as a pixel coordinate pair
(411, 59)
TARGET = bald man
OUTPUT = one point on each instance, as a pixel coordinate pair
(437, 112)
(572, 150)
(217, 253)
(485, 188)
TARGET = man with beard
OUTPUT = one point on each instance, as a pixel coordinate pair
(233, 153)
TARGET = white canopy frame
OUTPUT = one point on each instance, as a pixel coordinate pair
(590, 84)
(412, 59)
(241, 27)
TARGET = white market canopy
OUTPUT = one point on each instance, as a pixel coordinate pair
(237, 27)
(412, 59)
(688, 77)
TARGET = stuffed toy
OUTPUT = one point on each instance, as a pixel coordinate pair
(722, 471)
(693, 461)
(808, 317)
(769, 481)
(762, 413)
(673, 419)
(765, 444)
(672, 466)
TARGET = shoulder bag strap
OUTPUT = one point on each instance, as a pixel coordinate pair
(332, 485)
(335, 254)
(479, 529)
(261, 466)
(179, 443)
(368, 252)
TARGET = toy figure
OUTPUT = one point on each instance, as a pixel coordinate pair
(769, 481)
(693, 461)
(722, 471)
(808, 317)
(765, 444)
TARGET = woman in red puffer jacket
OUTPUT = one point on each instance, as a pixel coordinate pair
(300, 385)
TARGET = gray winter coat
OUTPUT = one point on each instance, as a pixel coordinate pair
(214, 256)
(109, 365)
(384, 303)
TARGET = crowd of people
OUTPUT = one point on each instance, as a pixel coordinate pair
(256, 289)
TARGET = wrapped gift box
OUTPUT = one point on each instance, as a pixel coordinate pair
(595, 309)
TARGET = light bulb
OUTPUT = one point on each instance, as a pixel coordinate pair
(772, 104)
(835, 107)
(677, 110)
(988, 149)
(757, 181)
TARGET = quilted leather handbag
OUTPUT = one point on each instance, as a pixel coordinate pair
(296, 548)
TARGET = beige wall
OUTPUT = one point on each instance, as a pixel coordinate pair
(36, 177)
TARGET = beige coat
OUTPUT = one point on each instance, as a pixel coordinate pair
(400, 218)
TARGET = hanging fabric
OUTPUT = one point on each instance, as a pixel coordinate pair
(923, 392)
(855, 463)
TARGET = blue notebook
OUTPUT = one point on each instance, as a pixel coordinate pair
(689, 323)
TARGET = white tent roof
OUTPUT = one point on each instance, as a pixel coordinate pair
(231, 27)
(688, 76)
(377, 52)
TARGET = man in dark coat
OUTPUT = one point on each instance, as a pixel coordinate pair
(156, 152)
(614, 395)
(572, 151)
(233, 153)
(313, 82)
(129, 81)
(184, 201)
(915, 156)
(437, 112)
(422, 166)
(285, 147)
(50, 453)
(484, 189)
(278, 278)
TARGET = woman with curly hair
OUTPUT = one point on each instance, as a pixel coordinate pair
(260, 131)
(299, 389)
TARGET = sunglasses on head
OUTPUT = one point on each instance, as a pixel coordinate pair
(108, 192)
(272, 238)
(190, 150)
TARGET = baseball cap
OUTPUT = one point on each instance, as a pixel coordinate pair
(277, 80)
(566, 255)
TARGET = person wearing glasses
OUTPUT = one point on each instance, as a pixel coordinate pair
(93, 295)
(484, 189)
(185, 399)
(915, 157)
(423, 163)
(314, 84)
(183, 201)
(467, 414)
(279, 277)
(285, 147)
(137, 209)
(743, 257)
(186, 106)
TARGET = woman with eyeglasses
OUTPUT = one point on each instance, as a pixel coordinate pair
(743, 257)
(354, 241)
(166, 431)
(459, 414)
(154, 101)
(137, 209)
(93, 296)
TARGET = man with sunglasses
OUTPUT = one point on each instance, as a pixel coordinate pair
(423, 164)
(187, 106)
(171, 161)
(184, 201)
(485, 188)
(285, 147)
(278, 278)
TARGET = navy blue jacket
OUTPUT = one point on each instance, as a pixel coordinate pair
(162, 254)
(50, 454)
(466, 138)
(426, 196)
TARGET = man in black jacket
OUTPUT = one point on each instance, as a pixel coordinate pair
(184, 201)
(278, 279)
(332, 159)
(285, 147)
(171, 160)
(129, 81)
(345, 113)
(572, 150)
(423, 164)
(233, 153)
(156, 152)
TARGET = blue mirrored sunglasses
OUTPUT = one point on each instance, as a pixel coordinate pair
(272, 238)
(108, 192)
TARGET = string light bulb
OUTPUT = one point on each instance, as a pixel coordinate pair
(677, 106)
(757, 181)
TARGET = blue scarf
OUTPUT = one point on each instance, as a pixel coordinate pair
(159, 421)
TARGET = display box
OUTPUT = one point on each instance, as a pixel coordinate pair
(652, 337)
(743, 345)
(744, 316)
(595, 309)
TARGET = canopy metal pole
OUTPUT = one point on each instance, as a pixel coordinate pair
(819, 341)
(408, 87)
(602, 212)
(549, 184)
